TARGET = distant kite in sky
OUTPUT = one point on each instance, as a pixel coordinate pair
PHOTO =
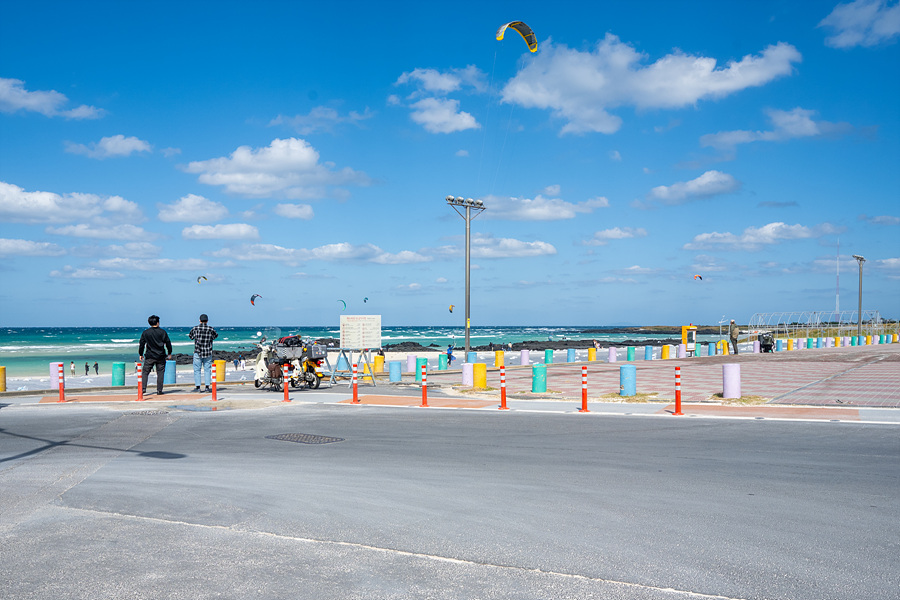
(253, 299)
(365, 300)
(523, 29)
(451, 307)
(344, 303)
(698, 277)
(203, 277)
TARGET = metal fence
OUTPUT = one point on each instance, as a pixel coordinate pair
(819, 323)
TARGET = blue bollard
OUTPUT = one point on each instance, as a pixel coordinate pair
(394, 369)
(818, 342)
(570, 354)
(472, 357)
(779, 345)
(539, 379)
(710, 349)
(169, 376)
(648, 352)
(627, 380)
(342, 364)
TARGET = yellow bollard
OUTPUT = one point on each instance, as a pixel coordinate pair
(220, 370)
(895, 340)
(479, 375)
(837, 342)
(790, 343)
(379, 363)
(868, 340)
(665, 352)
(366, 376)
(592, 354)
(2, 379)
(499, 358)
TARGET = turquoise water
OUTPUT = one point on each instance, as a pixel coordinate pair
(27, 351)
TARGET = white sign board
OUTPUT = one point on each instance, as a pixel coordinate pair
(360, 331)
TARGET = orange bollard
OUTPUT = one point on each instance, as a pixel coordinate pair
(140, 371)
(584, 407)
(424, 387)
(503, 388)
(62, 383)
(355, 387)
(286, 383)
(215, 398)
(678, 391)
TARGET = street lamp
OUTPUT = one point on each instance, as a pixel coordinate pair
(470, 206)
(860, 260)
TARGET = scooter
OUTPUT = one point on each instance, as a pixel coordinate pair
(268, 369)
(307, 370)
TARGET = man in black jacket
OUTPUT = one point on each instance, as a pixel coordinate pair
(155, 347)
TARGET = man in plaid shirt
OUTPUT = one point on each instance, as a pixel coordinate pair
(203, 336)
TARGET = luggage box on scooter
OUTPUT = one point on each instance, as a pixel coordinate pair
(317, 352)
(282, 351)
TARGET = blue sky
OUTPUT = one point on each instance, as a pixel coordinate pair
(303, 152)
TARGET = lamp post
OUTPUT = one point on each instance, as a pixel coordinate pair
(470, 205)
(860, 260)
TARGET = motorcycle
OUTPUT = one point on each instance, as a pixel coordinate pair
(268, 368)
(306, 361)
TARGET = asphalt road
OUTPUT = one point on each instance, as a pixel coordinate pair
(111, 502)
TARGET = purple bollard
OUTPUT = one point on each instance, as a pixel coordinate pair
(468, 374)
(731, 380)
(682, 350)
(523, 357)
(756, 347)
(411, 363)
(612, 354)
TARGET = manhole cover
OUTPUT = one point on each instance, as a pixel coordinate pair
(304, 438)
(148, 412)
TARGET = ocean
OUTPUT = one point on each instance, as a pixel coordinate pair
(28, 351)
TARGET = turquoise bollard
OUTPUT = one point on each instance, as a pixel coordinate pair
(629, 354)
(710, 349)
(627, 380)
(118, 374)
(818, 342)
(570, 354)
(539, 379)
(648, 352)
(394, 368)
(548, 356)
(779, 345)
(809, 343)
(442, 362)
(169, 376)
(472, 357)
(421, 362)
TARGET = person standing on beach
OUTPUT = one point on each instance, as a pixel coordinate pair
(153, 350)
(72, 368)
(87, 369)
(733, 334)
(203, 336)
(96, 368)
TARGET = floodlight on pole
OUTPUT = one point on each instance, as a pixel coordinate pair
(470, 205)
(860, 260)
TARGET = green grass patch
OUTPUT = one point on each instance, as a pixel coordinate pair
(742, 401)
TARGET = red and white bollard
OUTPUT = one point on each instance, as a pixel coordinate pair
(584, 407)
(678, 391)
(214, 378)
(424, 387)
(140, 371)
(503, 388)
(62, 383)
(286, 383)
(355, 386)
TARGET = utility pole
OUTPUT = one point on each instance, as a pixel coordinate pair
(478, 207)
(860, 260)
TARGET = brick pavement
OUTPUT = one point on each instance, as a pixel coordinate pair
(856, 376)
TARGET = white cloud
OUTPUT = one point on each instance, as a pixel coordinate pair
(410, 287)
(462, 153)
(100, 232)
(881, 220)
(441, 280)
(442, 83)
(132, 249)
(862, 23)
(231, 231)
(601, 238)
(69, 272)
(552, 190)
(321, 118)
(754, 238)
(192, 209)
(154, 264)
(539, 208)
(108, 147)
(19, 206)
(288, 168)
(711, 183)
(580, 87)
(442, 115)
(487, 246)
(16, 247)
(787, 124)
(342, 251)
(294, 211)
(615, 156)
(14, 97)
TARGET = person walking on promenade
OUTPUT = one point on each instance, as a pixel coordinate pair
(153, 350)
(203, 336)
(733, 334)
